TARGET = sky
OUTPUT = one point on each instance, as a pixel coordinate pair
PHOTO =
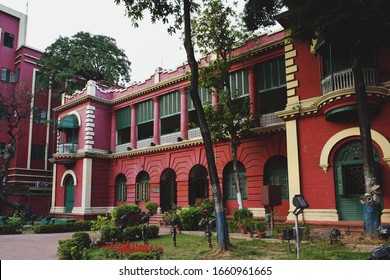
(147, 47)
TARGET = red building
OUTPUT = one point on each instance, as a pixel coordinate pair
(142, 143)
(29, 177)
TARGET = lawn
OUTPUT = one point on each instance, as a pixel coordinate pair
(193, 247)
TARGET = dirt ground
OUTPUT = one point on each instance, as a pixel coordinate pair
(347, 237)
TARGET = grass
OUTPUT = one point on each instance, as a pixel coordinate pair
(192, 247)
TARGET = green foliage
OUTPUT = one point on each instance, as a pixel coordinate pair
(242, 216)
(135, 232)
(151, 207)
(232, 226)
(67, 227)
(75, 60)
(9, 229)
(190, 217)
(128, 210)
(260, 226)
(100, 222)
(70, 249)
(109, 233)
(83, 239)
(208, 205)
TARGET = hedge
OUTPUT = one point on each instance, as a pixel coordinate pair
(9, 229)
(67, 227)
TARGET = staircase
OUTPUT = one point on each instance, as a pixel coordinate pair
(156, 220)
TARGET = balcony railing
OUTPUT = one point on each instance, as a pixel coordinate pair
(67, 148)
(164, 139)
(269, 119)
(344, 79)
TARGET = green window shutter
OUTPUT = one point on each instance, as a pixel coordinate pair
(170, 104)
(271, 74)
(145, 112)
(204, 94)
(122, 118)
(340, 180)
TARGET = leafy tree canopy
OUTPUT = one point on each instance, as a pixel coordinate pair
(70, 62)
(352, 24)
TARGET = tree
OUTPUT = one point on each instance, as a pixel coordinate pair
(68, 63)
(179, 12)
(356, 26)
(216, 32)
(15, 105)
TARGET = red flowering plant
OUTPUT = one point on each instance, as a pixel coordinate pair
(132, 251)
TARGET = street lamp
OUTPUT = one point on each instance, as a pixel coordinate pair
(301, 204)
(144, 220)
(174, 222)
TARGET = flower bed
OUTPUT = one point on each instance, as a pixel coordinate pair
(132, 251)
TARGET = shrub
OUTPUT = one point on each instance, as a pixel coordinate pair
(152, 232)
(242, 216)
(67, 227)
(151, 207)
(70, 249)
(129, 210)
(109, 233)
(135, 232)
(132, 233)
(100, 221)
(260, 226)
(83, 239)
(208, 204)
(232, 226)
(132, 251)
(190, 217)
(9, 229)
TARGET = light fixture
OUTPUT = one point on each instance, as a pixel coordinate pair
(179, 139)
(129, 148)
(152, 144)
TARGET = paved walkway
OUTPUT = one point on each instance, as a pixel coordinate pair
(44, 246)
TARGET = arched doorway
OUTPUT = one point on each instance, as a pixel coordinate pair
(276, 174)
(349, 180)
(168, 189)
(69, 194)
(198, 185)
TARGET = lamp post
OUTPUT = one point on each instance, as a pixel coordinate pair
(300, 203)
(174, 222)
(206, 224)
(144, 220)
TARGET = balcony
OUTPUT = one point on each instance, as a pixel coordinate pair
(166, 139)
(269, 120)
(338, 100)
(344, 79)
(67, 148)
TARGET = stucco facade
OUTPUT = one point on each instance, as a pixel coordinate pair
(141, 143)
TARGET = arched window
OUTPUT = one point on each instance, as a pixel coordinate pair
(142, 187)
(120, 188)
(229, 182)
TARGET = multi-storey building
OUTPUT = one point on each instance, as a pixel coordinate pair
(29, 177)
(142, 143)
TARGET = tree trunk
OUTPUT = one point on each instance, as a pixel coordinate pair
(372, 198)
(235, 169)
(221, 224)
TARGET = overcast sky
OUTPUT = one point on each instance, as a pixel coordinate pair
(147, 47)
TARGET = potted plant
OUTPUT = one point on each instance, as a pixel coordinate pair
(261, 228)
(151, 207)
(242, 217)
(250, 227)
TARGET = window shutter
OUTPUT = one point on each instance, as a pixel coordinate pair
(340, 180)
(145, 112)
(122, 118)
(170, 104)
